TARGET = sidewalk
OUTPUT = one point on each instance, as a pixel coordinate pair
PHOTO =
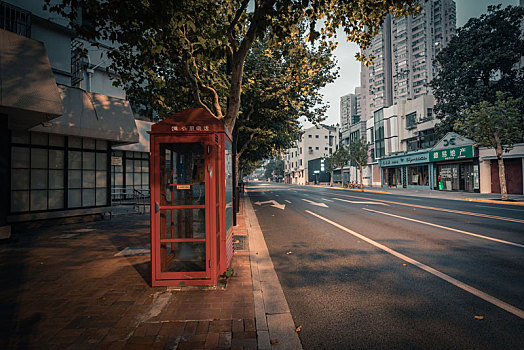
(63, 287)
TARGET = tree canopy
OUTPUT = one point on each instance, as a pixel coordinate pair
(191, 53)
(338, 159)
(480, 60)
(358, 154)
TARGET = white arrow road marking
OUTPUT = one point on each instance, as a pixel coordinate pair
(287, 201)
(324, 205)
(447, 228)
(274, 203)
(490, 299)
(361, 202)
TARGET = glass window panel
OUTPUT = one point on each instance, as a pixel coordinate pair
(20, 137)
(56, 179)
(19, 201)
(145, 165)
(229, 184)
(129, 154)
(88, 197)
(138, 166)
(117, 154)
(19, 179)
(56, 199)
(119, 180)
(74, 179)
(101, 161)
(38, 179)
(56, 140)
(101, 179)
(183, 257)
(38, 138)
(75, 160)
(74, 198)
(89, 143)
(39, 158)
(75, 142)
(117, 168)
(137, 179)
(101, 145)
(182, 223)
(38, 200)
(88, 161)
(129, 165)
(88, 179)
(20, 157)
(101, 196)
(56, 159)
(145, 179)
(129, 179)
(182, 168)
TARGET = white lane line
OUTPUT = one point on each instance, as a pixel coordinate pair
(490, 299)
(447, 228)
(361, 202)
(327, 200)
(287, 201)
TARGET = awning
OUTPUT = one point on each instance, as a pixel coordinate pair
(143, 138)
(28, 91)
(97, 116)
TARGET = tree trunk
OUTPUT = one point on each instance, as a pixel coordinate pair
(331, 179)
(361, 182)
(502, 174)
(342, 175)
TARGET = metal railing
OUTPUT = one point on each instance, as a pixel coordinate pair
(141, 198)
(124, 196)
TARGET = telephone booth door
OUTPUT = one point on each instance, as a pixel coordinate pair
(183, 219)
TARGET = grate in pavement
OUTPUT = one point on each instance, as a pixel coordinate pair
(66, 235)
(240, 242)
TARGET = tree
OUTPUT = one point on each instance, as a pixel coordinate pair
(336, 160)
(358, 154)
(186, 53)
(275, 167)
(281, 85)
(497, 125)
(479, 61)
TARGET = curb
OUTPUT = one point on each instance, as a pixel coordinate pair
(274, 322)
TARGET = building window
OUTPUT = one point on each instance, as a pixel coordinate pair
(40, 180)
(310, 136)
(325, 136)
(418, 175)
(77, 71)
(316, 148)
(411, 120)
(87, 172)
(316, 136)
(137, 171)
(15, 19)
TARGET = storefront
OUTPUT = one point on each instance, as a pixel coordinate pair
(456, 165)
(410, 170)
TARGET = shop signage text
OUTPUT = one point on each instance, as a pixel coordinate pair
(189, 128)
(452, 153)
(411, 159)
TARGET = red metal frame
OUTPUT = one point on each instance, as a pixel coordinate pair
(190, 126)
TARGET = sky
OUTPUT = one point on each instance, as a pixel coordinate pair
(350, 68)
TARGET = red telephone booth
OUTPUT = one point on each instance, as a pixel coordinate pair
(191, 199)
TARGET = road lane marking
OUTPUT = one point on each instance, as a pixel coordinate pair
(285, 200)
(274, 203)
(360, 202)
(447, 228)
(447, 210)
(490, 299)
(327, 200)
(318, 204)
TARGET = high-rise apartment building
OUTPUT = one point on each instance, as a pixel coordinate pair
(404, 51)
(348, 109)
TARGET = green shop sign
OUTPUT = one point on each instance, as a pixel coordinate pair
(451, 153)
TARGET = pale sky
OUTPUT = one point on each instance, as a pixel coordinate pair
(350, 68)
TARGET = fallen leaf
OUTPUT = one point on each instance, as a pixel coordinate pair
(299, 328)
(289, 252)
(479, 317)
(274, 341)
(404, 265)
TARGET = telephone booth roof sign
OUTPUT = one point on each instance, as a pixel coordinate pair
(190, 121)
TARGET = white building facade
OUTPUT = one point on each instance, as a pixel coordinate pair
(316, 142)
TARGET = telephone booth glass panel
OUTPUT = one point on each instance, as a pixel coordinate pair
(182, 207)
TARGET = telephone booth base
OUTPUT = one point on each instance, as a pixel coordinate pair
(191, 200)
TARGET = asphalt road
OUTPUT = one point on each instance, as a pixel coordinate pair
(379, 271)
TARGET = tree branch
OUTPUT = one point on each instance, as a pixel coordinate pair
(234, 22)
(244, 146)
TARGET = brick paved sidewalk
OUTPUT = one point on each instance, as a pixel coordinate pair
(64, 288)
